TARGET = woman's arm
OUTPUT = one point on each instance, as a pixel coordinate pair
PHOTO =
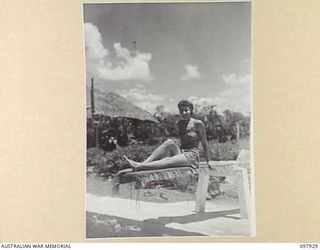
(203, 138)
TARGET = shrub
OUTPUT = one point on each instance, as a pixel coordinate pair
(108, 163)
(226, 151)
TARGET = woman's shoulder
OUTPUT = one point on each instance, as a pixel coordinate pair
(197, 122)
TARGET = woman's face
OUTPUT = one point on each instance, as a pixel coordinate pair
(185, 112)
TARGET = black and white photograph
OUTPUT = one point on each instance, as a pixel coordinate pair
(169, 131)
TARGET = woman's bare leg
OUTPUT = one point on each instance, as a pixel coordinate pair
(173, 161)
(168, 148)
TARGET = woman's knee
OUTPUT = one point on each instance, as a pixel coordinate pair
(169, 142)
(172, 147)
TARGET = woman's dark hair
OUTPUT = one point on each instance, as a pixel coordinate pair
(185, 103)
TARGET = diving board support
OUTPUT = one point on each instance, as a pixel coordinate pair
(224, 168)
(202, 190)
(238, 169)
(244, 194)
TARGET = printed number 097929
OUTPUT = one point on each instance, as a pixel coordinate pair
(308, 245)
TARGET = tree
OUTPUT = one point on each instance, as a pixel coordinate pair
(159, 112)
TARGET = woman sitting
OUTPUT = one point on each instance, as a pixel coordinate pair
(170, 154)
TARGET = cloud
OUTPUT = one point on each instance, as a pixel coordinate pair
(142, 98)
(233, 80)
(192, 73)
(93, 42)
(236, 95)
(205, 101)
(126, 65)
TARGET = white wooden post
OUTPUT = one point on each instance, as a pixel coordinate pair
(226, 168)
(115, 186)
(244, 194)
(202, 189)
(243, 185)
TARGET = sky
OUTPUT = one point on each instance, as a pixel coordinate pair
(160, 53)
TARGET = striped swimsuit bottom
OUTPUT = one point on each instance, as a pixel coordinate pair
(192, 156)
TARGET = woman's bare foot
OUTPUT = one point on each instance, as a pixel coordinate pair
(135, 165)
